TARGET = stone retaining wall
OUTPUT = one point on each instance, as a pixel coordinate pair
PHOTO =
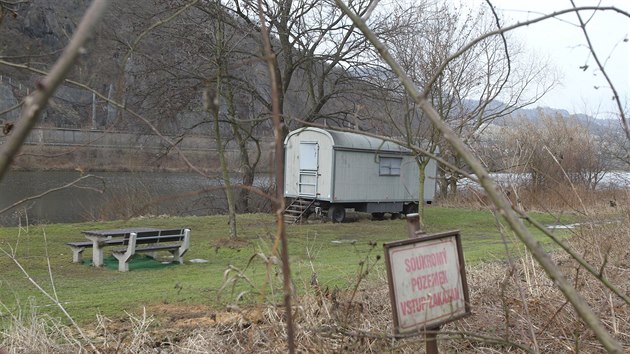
(68, 149)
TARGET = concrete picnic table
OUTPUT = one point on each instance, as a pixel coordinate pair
(99, 238)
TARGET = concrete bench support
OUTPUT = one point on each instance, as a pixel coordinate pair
(177, 249)
(77, 250)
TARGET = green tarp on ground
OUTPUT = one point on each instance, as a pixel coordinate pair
(136, 262)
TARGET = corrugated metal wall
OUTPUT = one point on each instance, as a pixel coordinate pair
(357, 179)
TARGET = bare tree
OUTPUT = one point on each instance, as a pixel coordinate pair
(212, 102)
(322, 62)
(486, 82)
(617, 146)
(422, 98)
(555, 151)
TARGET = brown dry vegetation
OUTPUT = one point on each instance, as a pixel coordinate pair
(560, 199)
(516, 308)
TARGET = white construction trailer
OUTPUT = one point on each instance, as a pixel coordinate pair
(330, 171)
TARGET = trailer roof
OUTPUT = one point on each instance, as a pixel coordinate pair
(355, 141)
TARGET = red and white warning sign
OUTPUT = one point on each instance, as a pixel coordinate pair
(427, 281)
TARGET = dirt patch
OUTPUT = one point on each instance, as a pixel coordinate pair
(193, 316)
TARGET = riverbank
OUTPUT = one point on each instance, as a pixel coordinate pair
(98, 159)
(114, 195)
(94, 150)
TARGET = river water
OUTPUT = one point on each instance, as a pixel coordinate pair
(120, 195)
(106, 196)
(612, 180)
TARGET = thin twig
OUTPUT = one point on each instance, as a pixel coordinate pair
(35, 103)
(505, 29)
(576, 257)
(587, 314)
(54, 299)
(12, 108)
(71, 184)
(519, 287)
(616, 98)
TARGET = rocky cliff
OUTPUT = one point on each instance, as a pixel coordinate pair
(34, 37)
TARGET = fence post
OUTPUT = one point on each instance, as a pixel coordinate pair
(414, 231)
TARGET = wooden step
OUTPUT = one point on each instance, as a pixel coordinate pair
(293, 213)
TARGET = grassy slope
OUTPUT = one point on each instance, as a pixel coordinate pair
(87, 291)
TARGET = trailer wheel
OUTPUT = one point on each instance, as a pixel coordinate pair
(411, 208)
(378, 216)
(337, 213)
(306, 215)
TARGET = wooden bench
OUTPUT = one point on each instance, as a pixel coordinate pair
(175, 241)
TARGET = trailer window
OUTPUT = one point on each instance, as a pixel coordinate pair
(390, 166)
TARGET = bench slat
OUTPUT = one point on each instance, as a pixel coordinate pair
(160, 239)
(90, 244)
(148, 249)
(172, 232)
(80, 244)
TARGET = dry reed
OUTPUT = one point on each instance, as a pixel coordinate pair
(516, 308)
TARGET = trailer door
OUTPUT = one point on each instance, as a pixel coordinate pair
(309, 163)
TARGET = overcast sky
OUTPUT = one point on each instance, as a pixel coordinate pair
(564, 43)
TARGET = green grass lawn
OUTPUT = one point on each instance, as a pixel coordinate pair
(333, 251)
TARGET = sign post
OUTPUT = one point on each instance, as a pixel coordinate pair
(427, 281)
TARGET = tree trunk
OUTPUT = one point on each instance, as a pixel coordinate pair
(229, 193)
(442, 182)
(422, 164)
(452, 182)
(242, 204)
(214, 103)
(247, 163)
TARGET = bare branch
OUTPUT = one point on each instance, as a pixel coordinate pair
(12, 108)
(35, 103)
(279, 164)
(52, 298)
(71, 184)
(143, 119)
(616, 98)
(505, 29)
(499, 200)
(155, 25)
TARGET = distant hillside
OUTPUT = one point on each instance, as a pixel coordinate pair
(163, 77)
(166, 73)
(594, 125)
